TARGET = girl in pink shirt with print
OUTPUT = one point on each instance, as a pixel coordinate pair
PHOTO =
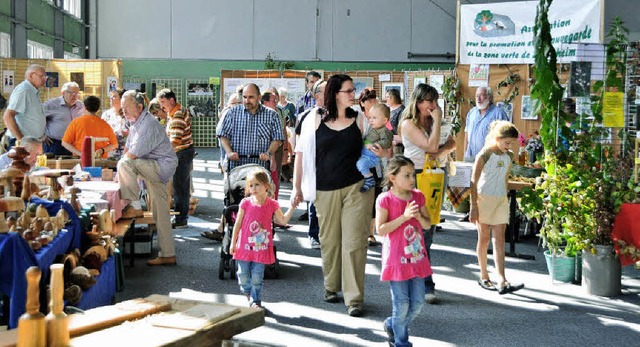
(252, 240)
(401, 216)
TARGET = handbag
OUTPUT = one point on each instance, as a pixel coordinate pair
(431, 183)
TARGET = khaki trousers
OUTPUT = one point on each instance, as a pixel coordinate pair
(345, 218)
(129, 170)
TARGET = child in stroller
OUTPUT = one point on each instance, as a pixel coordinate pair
(235, 189)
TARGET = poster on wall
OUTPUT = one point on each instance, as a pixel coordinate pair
(8, 81)
(393, 85)
(478, 75)
(507, 108)
(580, 79)
(583, 107)
(296, 87)
(196, 89)
(52, 80)
(112, 83)
(78, 77)
(527, 109)
(436, 81)
(502, 32)
(360, 83)
(418, 80)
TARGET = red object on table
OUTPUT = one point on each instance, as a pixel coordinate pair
(87, 154)
(626, 228)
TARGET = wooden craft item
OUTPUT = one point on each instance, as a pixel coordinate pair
(17, 155)
(75, 203)
(57, 321)
(31, 325)
(87, 157)
(108, 316)
(54, 186)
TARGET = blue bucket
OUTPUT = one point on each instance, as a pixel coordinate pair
(563, 268)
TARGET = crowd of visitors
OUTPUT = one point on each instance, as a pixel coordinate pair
(352, 164)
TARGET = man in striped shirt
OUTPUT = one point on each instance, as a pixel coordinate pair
(179, 132)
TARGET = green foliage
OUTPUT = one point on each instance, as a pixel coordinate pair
(453, 99)
(511, 80)
(586, 183)
(546, 91)
(484, 17)
(270, 63)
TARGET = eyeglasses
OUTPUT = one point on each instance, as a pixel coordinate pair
(348, 91)
(72, 93)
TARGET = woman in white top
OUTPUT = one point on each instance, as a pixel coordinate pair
(115, 117)
(418, 141)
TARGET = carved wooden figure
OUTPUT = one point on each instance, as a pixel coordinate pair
(57, 320)
(31, 326)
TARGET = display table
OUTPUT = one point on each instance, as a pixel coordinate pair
(71, 163)
(108, 191)
(155, 329)
(15, 258)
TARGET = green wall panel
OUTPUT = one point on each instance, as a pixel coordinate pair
(5, 7)
(40, 15)
(73, 30)
(36, 36)
(206, 68)
(5, 26)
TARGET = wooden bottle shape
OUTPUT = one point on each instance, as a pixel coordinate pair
(31, 326)
(57, 320)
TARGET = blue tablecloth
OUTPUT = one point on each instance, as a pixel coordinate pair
(16, 257)
(103, 292)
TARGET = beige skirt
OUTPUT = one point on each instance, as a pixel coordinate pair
(493, 210)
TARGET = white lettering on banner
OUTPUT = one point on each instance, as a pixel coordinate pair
(502, 33)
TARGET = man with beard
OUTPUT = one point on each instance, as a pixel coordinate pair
(479, 120)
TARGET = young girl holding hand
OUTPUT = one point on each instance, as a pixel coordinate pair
(252, 239)
(489, 204)
(401, 215)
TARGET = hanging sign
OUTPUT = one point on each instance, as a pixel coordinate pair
(613, 109)
(502, 33)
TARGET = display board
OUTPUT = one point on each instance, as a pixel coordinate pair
(295, 86)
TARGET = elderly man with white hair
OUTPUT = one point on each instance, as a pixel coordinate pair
(24, 115)
(59, 112)
(31, 145)
(148, 155)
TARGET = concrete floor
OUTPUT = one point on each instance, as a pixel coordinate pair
(542, 314)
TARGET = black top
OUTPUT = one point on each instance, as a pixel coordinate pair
(336, 155)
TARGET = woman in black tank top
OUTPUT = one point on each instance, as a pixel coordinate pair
(343, 211)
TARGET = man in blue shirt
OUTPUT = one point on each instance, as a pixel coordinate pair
(59, 112)
(24, 115)
(478, 121)
(251, 132)
(148, 155)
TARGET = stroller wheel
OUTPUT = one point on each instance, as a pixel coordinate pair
(221, 268)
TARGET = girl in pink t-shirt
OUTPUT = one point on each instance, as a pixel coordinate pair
(252, 240)
(401, 215)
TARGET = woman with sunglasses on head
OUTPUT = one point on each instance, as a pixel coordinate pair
(325, 171)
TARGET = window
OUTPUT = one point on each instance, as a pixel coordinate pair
(5, 45)
(68, 55)
(73, 7)
(36, 50)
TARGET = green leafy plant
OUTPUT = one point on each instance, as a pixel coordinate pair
(270, 63)
(587, 181)
(509, 82)
(453, 98)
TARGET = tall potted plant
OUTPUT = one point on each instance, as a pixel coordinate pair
(586, 182)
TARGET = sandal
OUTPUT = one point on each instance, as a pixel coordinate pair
(509, 288)
(487, 284)
(372, 241)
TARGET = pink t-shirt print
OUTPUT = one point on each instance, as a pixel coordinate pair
(255, 242)
(404, 255)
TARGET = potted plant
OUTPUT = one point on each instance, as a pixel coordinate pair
(587, 181)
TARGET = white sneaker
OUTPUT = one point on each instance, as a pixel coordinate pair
(313, 243)
(431, 298)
